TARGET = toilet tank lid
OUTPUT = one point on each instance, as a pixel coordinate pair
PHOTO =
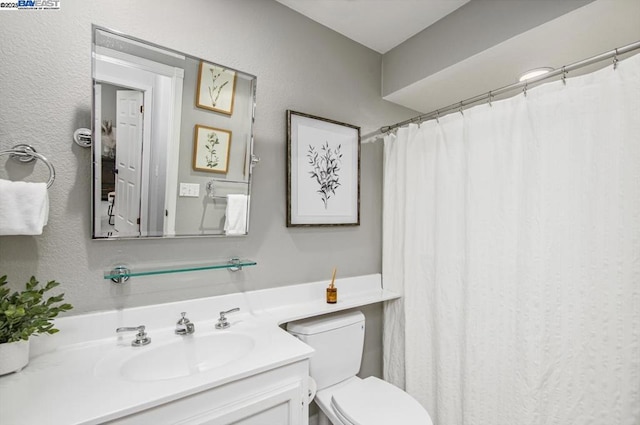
(324, 323)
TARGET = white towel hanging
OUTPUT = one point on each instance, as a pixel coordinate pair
(236, 217)
(24, 207)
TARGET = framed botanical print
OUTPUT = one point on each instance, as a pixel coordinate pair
(323, 171)
(216, 88)
(211, 149)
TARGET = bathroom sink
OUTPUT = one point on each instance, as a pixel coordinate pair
(183, 356)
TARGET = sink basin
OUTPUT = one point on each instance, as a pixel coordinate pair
(182, 357)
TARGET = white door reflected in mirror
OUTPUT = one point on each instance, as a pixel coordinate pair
(128, 175)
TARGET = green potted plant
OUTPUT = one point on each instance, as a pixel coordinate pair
(22, 314)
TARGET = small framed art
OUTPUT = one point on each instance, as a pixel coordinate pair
(323, 171)
(211, 148)
(216, 88)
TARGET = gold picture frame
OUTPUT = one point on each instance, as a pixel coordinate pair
(216, 88)
(211, 149)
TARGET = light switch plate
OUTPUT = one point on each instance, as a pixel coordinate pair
(190, 190)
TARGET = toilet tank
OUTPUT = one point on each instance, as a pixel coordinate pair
(338, 340)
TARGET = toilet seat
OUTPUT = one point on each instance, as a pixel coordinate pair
(372, 401)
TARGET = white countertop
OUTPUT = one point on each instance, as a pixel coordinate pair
(62, 385)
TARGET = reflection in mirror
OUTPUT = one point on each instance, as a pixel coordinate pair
(173, 142)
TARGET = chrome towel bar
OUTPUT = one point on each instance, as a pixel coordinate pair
(26, 153)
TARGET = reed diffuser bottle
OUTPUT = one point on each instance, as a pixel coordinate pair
(332, 291)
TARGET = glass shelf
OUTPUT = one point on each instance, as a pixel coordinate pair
(121, 273)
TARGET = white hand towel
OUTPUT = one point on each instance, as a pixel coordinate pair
(236, 219)
(24, 207)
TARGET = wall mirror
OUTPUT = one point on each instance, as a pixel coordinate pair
(172, 142)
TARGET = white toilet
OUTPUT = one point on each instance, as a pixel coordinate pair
(344, 398)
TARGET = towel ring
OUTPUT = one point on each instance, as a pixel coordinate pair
(26, 153)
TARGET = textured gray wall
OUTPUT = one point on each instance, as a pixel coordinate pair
(45, 92)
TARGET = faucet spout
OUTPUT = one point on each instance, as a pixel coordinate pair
(184, 326)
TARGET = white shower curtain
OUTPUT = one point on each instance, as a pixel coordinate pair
(513, 233)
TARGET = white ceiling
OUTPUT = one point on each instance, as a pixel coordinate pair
(383, 24)
(378, 24)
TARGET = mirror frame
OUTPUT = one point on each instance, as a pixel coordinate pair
(250, 162)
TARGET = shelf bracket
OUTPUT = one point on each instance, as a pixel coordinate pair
(121, 274)
(233, 261)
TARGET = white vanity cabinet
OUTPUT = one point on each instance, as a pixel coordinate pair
(274, 397)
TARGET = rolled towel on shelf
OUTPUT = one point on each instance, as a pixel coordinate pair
(24, 207)
(236, 216)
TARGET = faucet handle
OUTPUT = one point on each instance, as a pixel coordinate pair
(184, 325)
(222, 320)
(141, 336)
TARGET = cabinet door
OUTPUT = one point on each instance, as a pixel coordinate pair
(283, 406)
(273, 397)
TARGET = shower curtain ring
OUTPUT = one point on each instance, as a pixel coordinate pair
(490, 99)
(525, 89)
(438, 116)
(564, 76)
(615, 60)
(460, 109)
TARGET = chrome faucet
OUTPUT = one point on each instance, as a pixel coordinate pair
(141, 336)
(184, 326)
(222, 320)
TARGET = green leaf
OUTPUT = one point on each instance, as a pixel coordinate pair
(51, 284)
(32, 283)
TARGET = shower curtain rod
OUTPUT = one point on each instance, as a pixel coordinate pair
(459, 106)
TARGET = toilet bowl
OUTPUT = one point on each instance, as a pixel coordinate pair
(344, 398)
